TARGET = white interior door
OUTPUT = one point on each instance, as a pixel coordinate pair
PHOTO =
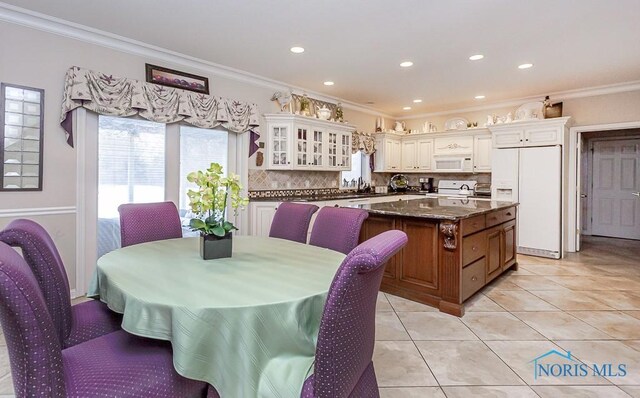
(616, 182)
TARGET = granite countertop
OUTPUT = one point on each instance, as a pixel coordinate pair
(436, 208)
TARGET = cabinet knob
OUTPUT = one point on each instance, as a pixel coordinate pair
(527, 139)
(474, 278)
(336, 206)
(509, 213)
(475, 249)
(520, 139)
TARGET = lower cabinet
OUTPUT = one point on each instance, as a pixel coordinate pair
(261, 215)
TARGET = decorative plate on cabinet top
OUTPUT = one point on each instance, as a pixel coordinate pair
(457, 123)
(530, 110)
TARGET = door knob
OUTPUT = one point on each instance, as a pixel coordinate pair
(636, 193)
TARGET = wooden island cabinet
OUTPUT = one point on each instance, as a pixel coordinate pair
(455, 248)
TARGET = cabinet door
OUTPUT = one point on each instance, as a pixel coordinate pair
(539, 136)
(482, 148)
(279, 138)
(419, 266)
(262, 214)
(332, 149)
(508, 139)
(408, 155)
(345, 151)
(302, 146)
(509, 248)
(494, 247)
(374, 226)
(316, 152)
(396, 155)
(424, 155)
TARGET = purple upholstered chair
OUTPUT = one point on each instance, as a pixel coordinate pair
(343, 365)
(116, 364)
(146, 222)
(291, 221)
(73, 324)
(338, 228)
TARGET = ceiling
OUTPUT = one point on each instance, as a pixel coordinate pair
(359, 44)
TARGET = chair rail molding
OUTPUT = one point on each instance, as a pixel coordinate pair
(37, 211)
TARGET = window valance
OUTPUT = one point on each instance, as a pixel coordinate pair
(117, 96)
(364, 142)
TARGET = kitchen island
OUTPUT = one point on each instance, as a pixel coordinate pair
(456, 246)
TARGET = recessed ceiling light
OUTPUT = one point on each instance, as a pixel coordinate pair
(407, 108)
(476, 57)
(297, 50)
(479, 96)
(417, 101)
(328, 83)
(525, 66)
(406, 64)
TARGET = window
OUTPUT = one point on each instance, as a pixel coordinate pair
(198, 149)
(359, 168)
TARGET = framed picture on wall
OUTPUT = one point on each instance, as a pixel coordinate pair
(173, 78)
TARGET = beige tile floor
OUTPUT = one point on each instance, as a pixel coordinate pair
(587, 303)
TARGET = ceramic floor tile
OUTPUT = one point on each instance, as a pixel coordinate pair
(588, 283)
(521, 271)
(499, 326)
(607, 352)
(580, 391)
(399, 364)
(481, 303)
(560, 325)
(622, 300)
(635, 344)
(6, 386)
(435, 326)
(490, 392)
(466, 363)
(616, 324)
(571, 300)
(412, 392)
(401, 304)
(382, 304)
(389, 327)
(501, 283)
(519, 300)
(633, 391)
(519, 355)
(536, 282)
(558, 270)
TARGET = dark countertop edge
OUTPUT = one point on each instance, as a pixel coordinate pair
(321, 198)
(500, 206)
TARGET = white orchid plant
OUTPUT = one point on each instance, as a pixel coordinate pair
(209, 202)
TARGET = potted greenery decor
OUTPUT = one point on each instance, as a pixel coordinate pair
(209, 204)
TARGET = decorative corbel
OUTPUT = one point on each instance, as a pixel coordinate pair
(450, 232)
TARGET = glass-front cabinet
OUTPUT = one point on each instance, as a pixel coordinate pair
(305, 143)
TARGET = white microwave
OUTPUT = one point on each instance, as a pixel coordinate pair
(453, 163)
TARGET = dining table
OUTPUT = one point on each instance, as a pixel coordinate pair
(247, 324)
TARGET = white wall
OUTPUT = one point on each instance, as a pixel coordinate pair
(39, 59)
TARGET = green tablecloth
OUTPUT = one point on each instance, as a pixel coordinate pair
(246, 324)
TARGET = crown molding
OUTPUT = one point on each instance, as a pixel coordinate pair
(557, 96)
(46, 23)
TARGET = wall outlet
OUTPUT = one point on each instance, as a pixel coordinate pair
(260, 144)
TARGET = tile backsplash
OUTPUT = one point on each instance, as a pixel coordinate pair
(274, 179)
(260, 180)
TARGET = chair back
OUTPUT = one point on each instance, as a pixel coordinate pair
(291, 221)
(338, 228)
(42, 256)
(34, 350)
(347, 329)
(147, 222)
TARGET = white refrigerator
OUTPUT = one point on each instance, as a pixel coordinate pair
(533, 177)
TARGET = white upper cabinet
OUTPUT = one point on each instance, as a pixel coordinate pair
(417, 154)
(388, 157)
(482, 147)
(535, 132)
(304, 143)
(454, 145)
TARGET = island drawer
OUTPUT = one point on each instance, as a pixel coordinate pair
(472, 224)
(473, 247)
(473, 278)
(500, 216)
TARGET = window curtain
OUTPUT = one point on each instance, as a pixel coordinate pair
(117, 96)
(364, 142)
